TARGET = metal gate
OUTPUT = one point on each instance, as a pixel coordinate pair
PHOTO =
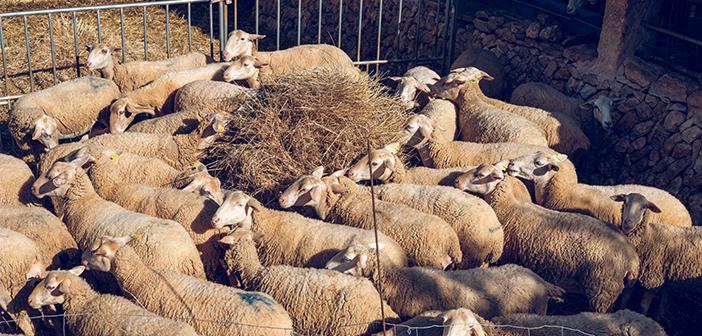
(218, 23)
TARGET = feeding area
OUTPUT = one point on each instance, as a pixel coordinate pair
(416, 167)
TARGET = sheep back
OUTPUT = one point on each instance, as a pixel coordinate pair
(484, 123)
(133, 75)
(544, 96)
(443, 112)
(462, 153)
(306, 56)
(488, 62)
(210, 96)
(16, 181)
(183, 122)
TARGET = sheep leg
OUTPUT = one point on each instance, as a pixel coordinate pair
(646, 300)
(485, 264)
(601, 295)
(661, 306)
(625, 297)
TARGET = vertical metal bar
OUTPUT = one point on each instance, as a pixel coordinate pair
(399, 30)
(99, 27)
(225, 17)
(236, 15)
(4, 60)
(29, 55)
(211, 33)
(416, 33)
(341, 19)
(168, 32)
(360, 30)
(121, 30)
(436, 27)
(190, 31)
(256, 23)
(146, 37)
(75, 44)
(51, 46)
(222, 38)
(380, 31)
(277, 26)
(299, 20)
(319, 23)
(449, 33)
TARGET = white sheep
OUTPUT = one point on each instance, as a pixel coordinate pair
(211, 309)
(133, 75)
(182, 122)
(670, 256)
(475, 223)
(21, 260)
(157, 97)
(290, 239)
(480, 121)
(161, 243)
(16, 179)
(413, 80)
(489, 292)
(453, 322)
(565, 248)
(556, 185)
(444, 115)
(63, 111)
(427, 239)
(91, 313)
(311, 296)
(211, 96)
(488, 61)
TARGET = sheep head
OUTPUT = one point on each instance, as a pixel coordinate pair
(245, 68)
(122, 113)
(102, 252)
(206, 185)
(100, 56)
(59, 178)
(238, 235)
(54, 288)
(418, 131)
(574, 5)
(602, 110)
(212, 126)
(46, 132)
(537, 167)
(354, 260)
(236, 210)
(407, 87)
(382, 162)
(240, 43)
(634, 209)
(453, 85)
(482, 179)
(460, 322)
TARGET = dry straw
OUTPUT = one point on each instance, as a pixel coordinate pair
(300, 121)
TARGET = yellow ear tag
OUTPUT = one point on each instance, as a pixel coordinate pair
(137, 235)
(561, 157)
(114, 156)
(219, 127)
(197, 164)
(395, 149)
(504, 165)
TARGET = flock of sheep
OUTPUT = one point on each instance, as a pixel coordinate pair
(191, 258)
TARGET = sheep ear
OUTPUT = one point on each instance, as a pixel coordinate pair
(122, 241)
(339, 173)
(254, 37)
(318, 172)
(617, 100)
(61, 179)
(88, 47)
(378, 246)
(37, 133)
(425, 131)
(393, 148)
(651, 206)
(254, 204)
(395, 78)
(423, 87)
(560, 157)
(81, 159)
(338, 188)
(65, 285)
(390, 163)
(141, 109)
(618, 198)
(485, 75)
(227, 240)
(258, 63)
(192, 186)
(77, 271)
(502, 165)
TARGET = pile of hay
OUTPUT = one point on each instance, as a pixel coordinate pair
(300, 121)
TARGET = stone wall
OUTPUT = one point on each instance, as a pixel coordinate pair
(658, 128)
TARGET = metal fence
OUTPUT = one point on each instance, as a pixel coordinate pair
(218, 26)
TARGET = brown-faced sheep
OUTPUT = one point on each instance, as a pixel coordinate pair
(564, 248)
(157, 97)
(311, 296)
(556, 185)
(490, 292)
(290, 239)
(427, 239)
(133, 75)
(212, 309)
(413, 80)
(16, 179)
(669, 255)
(211, 96)
(486, 60)
(480, 121)
(91, 313)
(161, 243)
(63, 111)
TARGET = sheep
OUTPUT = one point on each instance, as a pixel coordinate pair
(182, 122)
(161, 243)
(486, 60)
(157, 97)
(212, 96)
(453, 322)
(133, 75)
(57, 246)
(443, 113)
(544, 96)
(88, 312)
(211, 309)
(311, 296)
(427, 239)
(489, 292)
(564, 248)
(21, 261)
(179, 151)
(556, 185)
(621, 323)
(562, 132)
(291, 239)
(63, 111)
(241, 43)
(16, 179)
(419, 133)
(480, 121)
(414, 79)
(476, 225)
(574, 5)
(669, 255)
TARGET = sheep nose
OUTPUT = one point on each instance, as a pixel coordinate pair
(226, 55)
(216, 221)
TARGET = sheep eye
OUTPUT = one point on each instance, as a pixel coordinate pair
(243, 39)
(50, 287)
(374, 164)
(104, 51)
